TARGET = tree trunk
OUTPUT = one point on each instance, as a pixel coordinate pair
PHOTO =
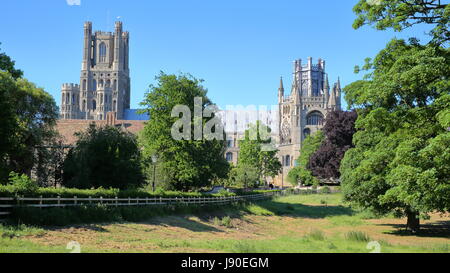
(413, 222)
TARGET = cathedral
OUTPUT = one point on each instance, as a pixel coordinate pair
(303, 111)
(105, 77)
(299, 114)
(103, 96)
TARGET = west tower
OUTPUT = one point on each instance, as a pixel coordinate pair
(105, 77)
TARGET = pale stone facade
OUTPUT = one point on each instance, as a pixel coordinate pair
(105, 77)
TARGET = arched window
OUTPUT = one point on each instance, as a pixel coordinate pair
(95, 85)
(100, 83)
(307, 132)
(84, 87)
(229, 157)
(108, 83)
(102, 52)
(94, 105)
(115, 85)
(84, 105)
(114, 106)
(314, 118)
(288, 161)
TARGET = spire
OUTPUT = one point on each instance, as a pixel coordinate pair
(326, 88)
(332, 101)
(281, 90)
(338, 94)
(281, 85)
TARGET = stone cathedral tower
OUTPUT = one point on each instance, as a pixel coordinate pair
(105, 77)
(303, 111)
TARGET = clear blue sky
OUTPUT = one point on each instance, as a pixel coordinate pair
(240, 48)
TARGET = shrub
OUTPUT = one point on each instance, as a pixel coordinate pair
(20, 185)
(325, 190)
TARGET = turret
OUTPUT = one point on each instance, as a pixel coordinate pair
(117, 45)
(86, 63)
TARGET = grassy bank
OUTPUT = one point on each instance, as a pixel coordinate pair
(302, 223)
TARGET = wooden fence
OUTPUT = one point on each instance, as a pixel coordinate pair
(6, 204)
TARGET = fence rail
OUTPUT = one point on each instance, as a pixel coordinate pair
(6, 204)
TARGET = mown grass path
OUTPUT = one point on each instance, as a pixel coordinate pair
(300, 223)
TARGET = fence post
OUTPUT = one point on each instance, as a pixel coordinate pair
(160, 200)
(117, 201)
(137, 200)
(101, 200)
(90, 200)
(75, 200)
(40, 201)
(59, 200)
(146, 200)
(129, 200)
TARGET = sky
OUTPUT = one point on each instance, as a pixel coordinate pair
(239, 48)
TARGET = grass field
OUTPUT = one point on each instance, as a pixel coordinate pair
(302, 223)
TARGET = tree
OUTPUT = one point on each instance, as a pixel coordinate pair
(103, 157)
(339, 129)
(244, 176)
(301, 173)
(401, 157)
(256, 151)
(193, 161)
(7, 65)
(401, 14)
(28, 116)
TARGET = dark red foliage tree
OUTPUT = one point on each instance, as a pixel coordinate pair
(339, 129)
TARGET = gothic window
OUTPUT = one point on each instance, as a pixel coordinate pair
(84, 105)
(115, 85)
(63, 98)
(114, 106)
(307, 132)
(84, 85)
(95, 85)
(102, 52)
(229, 143)
(229, 157)
(287, 161)
(108, 83)
(314, 118)
(316, 91)
(94, 105)
(100, 83)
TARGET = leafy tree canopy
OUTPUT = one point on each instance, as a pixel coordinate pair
(183, 164)
(28, 116)
(339, 129)
(103, 157)
(7, 65)
(401, 157)
(401, 14)
(256, 150)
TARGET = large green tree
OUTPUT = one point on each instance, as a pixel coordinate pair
(194, 160)
(401, 159)
(28, 115)
(401, 14)
(104, 157)
(256, 150)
